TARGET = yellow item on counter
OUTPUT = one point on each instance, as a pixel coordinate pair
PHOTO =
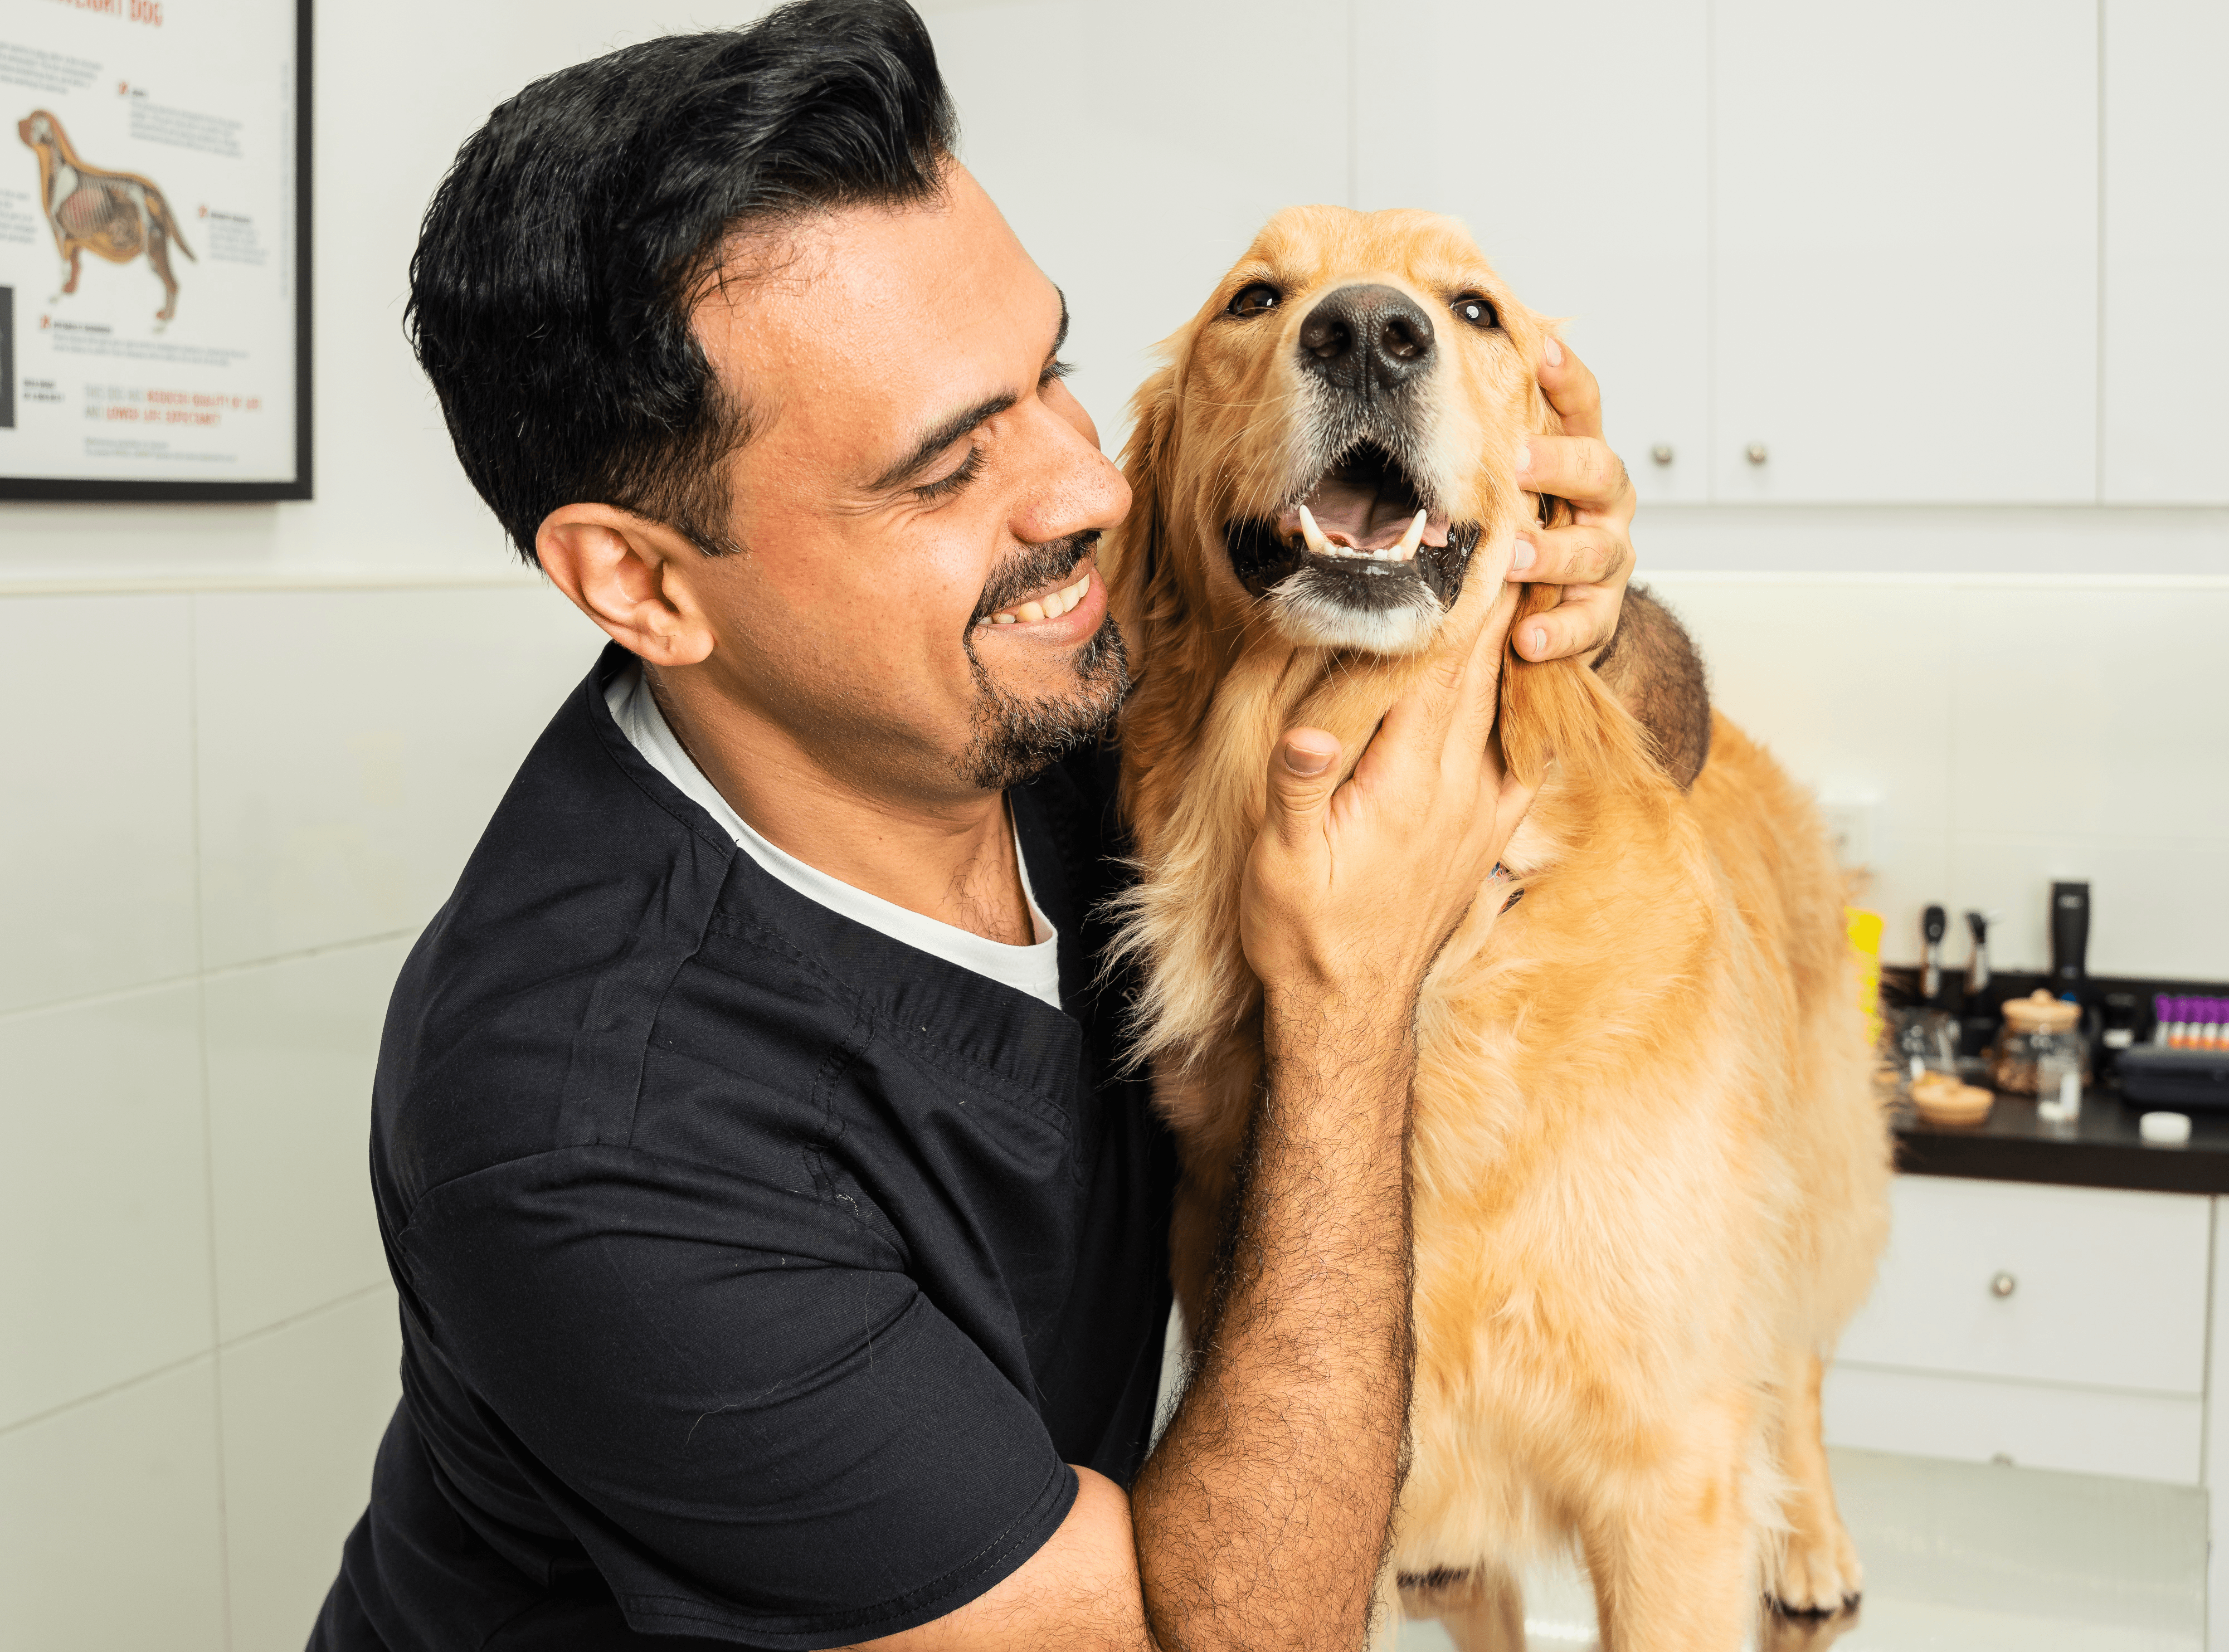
(1865, 945)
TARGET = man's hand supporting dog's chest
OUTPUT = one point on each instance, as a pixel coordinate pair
(1262, 1518)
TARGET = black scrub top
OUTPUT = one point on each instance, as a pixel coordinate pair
(759, 1275)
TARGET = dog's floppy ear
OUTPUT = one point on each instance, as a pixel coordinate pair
(1558, 712)
(1157, 592)
(1134, 559)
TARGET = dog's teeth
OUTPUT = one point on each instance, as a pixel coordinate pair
(1313, 535)
(1407, 549)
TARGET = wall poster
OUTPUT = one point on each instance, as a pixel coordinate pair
(155, 249)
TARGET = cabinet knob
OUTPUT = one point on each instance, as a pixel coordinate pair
(1756, 452)
(1661, 452)
(2003, 1285)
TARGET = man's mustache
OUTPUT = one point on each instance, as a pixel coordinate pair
(1036, 567)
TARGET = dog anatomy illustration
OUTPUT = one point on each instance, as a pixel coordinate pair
(118, 215)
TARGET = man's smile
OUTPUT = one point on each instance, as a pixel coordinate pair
(1073, 606)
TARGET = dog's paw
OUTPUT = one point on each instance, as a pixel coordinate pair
(1818, 1572)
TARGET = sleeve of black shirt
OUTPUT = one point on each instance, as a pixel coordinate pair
(745, 1410)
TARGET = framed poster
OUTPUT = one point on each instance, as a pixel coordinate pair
(155, 249)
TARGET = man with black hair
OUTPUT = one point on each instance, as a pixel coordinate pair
(780, 1245)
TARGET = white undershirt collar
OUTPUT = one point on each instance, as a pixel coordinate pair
(1032, 969)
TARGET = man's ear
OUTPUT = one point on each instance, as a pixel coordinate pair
(634, 577)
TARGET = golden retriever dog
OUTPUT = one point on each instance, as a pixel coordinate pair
(1650, 1172)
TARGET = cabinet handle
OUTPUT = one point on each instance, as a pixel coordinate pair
(2003, 1285)
(1756, 453)
(1661, 452)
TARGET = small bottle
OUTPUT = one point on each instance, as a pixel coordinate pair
(2159, 1020)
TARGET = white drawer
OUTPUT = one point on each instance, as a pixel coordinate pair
(2085, 1285)
(2137, 1436)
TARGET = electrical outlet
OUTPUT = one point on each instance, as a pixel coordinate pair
(1854, 825)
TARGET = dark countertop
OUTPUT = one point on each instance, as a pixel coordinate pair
(2101, 1150)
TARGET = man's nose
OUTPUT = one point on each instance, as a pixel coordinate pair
(1363, 336)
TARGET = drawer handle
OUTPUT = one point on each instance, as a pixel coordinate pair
(2003, 1285)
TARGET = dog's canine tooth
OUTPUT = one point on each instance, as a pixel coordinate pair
(1313, 535)
(1406, 550)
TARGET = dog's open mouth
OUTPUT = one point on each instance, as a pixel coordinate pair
(1365, 536)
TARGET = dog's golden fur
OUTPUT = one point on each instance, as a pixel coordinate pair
(1649, 1172)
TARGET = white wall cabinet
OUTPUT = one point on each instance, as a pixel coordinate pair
(1906, 265)
(1863, 243)
(1137, 149)
(1603, 219)
(2167, 242)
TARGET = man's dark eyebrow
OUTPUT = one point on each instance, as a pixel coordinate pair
(938, 440)
(959, 423)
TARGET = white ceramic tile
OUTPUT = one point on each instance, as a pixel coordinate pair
(352, 745)
(2093, 711)
(304, 1407)
(2157, 907)
(290, 1051)
(96, 818)
(1847, 684)
(104, 1197)
(109, 1523)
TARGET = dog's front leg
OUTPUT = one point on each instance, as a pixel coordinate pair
(1673, 1550)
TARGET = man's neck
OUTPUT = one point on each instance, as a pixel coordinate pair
(951, 860)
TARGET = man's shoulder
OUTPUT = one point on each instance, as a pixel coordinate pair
(589, 889)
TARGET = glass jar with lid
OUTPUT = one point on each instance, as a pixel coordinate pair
(2038, 1027)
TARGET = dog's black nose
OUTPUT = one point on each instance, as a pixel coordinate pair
(1358, 337)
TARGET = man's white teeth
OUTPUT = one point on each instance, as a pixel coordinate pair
(1050, 607)
(1319, 543)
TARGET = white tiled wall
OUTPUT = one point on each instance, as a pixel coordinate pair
(2013, 731)
(227, 815)
(251, 746)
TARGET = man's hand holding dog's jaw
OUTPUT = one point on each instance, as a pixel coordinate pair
(1340, 916)
(1591, 557)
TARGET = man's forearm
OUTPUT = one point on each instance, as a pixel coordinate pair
(1262, 1520)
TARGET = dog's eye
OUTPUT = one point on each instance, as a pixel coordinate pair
(1257, 300)
(1476, 311)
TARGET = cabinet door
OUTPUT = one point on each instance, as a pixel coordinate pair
(2166, 243)
(1574, 142)
(1136, 148)
(1905, 222)
(2093, 1286)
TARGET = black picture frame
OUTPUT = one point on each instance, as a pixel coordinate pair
(91, 490)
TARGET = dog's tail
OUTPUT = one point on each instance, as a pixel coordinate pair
(159, 210)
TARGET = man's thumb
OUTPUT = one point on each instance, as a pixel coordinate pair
(1303, 774)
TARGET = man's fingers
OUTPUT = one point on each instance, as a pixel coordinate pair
(1579, 468)
(1579, 624)
(1303, 774)
(1582, 555)
(1570, 389)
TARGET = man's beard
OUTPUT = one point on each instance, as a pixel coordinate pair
(1014, 738)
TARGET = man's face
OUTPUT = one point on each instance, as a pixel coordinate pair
(916, 473)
